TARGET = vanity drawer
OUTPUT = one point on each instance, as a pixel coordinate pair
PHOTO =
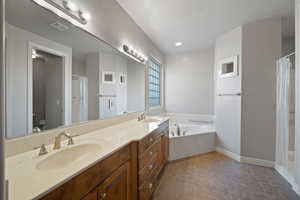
(85, 182)
(146, 142)
(148, 171)
(146, 190)
(149, 155)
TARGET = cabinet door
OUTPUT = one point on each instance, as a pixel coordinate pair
(117, 186)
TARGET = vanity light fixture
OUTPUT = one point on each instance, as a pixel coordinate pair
(178, 44)
(66, 9)
(132, 52)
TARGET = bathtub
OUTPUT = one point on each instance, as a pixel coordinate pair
(191, 137)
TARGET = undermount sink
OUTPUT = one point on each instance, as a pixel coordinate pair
(150, 120)
(67, 156)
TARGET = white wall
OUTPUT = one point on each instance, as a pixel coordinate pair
(92, 64)
(78, 67)
(189, 82)
(261, 48)
(135, 87)
(258, 45)
(228, 108)
(17, 46)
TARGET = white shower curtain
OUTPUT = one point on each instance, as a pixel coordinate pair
(282, 116)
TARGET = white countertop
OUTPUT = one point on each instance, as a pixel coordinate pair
(27, 182)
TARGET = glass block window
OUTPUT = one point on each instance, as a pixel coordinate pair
(154, 87)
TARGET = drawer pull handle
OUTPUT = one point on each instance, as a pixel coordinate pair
(102, 195)
(151, 139)
(150, 153)
(150, 166)
(150, 186)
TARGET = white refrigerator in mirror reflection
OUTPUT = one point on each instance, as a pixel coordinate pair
(108, 107)
(79, 99)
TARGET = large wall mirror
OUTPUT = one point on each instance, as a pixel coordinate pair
(58, 74)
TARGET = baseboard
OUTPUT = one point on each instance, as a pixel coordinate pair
(230, 154)
(259, 162)
(283, 172)
(243, 159)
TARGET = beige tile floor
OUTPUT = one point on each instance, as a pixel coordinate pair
(215, 177)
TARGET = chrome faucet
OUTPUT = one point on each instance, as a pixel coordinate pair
(142, 116)
(43, 149)
(57, 141)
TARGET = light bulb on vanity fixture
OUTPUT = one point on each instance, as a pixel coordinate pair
(178, 44)
(132, 52)
(85, 15)
(69, 5)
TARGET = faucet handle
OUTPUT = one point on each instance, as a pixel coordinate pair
(70, 141)
(43, 149)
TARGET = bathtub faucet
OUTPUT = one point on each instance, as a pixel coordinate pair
(177, 129)
(142, 116)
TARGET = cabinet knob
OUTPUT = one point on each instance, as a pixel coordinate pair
(150, 153)
(150, 166)
(151, 139)
(102, 195)
(150, 186)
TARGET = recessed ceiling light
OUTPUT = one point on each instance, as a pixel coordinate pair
(178, 44)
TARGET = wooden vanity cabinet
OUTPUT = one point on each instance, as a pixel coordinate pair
(153, 155)
(115, 174)
(128, 174)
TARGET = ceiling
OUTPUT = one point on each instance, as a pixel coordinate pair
(197, 23)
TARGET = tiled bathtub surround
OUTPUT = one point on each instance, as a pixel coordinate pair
(23, 144)
(187, 117)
